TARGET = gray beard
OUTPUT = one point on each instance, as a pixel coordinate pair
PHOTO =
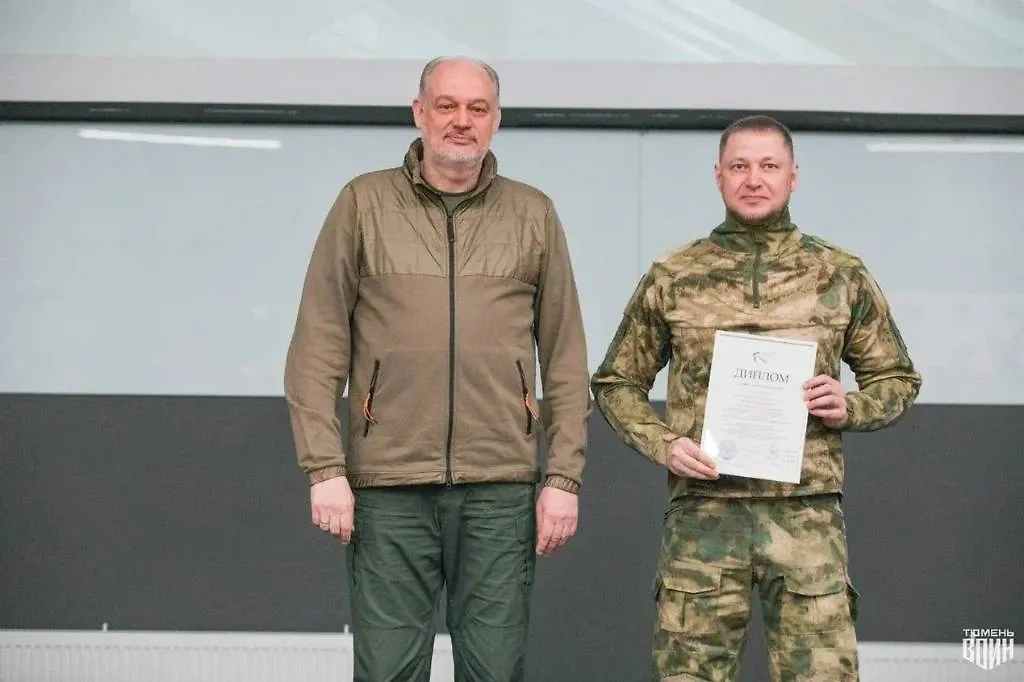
(457, 158)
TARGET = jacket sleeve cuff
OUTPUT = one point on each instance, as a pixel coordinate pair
(327, 473)
(661, 450)
(562, 483)
(854, 412)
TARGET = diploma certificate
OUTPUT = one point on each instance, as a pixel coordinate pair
(755, 420)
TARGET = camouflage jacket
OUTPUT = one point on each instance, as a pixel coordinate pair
(770, 279)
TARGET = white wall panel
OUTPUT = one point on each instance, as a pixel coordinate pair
(172, 263)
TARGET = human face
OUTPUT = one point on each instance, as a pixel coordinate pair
(457, 114)
(756, 174)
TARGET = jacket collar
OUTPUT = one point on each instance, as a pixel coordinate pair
(772, 236)
(413, 168)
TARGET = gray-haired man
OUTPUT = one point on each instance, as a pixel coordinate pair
(433, 290)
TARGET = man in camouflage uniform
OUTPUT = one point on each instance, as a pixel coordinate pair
(755, 273)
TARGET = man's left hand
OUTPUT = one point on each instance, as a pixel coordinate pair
(557, 513)
(826, 399)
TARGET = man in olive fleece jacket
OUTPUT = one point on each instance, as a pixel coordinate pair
(755, 273)
(433, 290)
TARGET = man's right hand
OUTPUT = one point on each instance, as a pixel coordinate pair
(334, 507)
(686, 459)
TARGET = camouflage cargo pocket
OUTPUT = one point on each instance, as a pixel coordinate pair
(813, 604)
(687, 594)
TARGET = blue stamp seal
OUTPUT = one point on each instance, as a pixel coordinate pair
(728, 449)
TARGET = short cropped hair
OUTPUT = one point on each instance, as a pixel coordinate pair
(437, 61)
(759, 123)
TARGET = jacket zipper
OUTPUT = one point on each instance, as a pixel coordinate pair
(530, 416)
(754, 274)
(451, 347)
(368, 403)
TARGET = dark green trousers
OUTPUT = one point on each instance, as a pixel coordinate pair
(475, 540)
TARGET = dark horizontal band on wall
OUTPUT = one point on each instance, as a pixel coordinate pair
(190, 513)
(515, 117)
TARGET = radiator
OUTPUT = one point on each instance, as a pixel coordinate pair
(904, 662)
(78, 656)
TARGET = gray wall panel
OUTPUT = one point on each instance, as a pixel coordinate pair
(171, 265)
(169, 260)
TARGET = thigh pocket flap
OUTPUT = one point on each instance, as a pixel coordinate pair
(814, 603)
(688, 594)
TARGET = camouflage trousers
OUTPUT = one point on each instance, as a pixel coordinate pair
(715, 550)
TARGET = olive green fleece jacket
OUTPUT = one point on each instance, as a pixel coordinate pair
(437, 323)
